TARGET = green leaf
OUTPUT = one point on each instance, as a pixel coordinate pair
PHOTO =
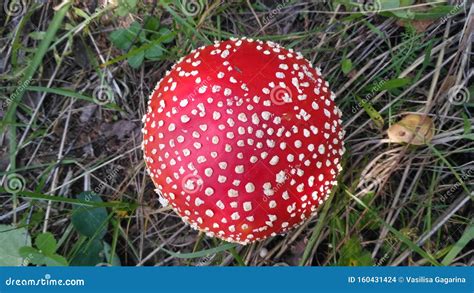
(55, 260)
(11, 239)
(168, 36)
(126, 6)
(372, 112)
(115, 259)
(37, 35)
(352, 254)
(90, 253)
(390, 84)
(404, 3)
(31, 255)
(466, 238)
(438, 12)
(89, 221)
(467, 124)
(69, 93)
(122, 38)
(137, 59)
(46, 243)
(153, 53)
(346, 65)
(390, 4)
(151, 23)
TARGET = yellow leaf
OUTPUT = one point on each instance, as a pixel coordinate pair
(413, 129)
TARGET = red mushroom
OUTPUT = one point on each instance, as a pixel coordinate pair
(243, 139)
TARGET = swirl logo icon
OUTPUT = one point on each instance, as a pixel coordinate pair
(192, 183)
(103, 95)
(14, 183)
(369, 184)
(191, 7)
(14, 7)
(280, 95)
(458, 95)
(371, 7)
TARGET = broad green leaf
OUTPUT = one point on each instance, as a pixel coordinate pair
(346, 65)
(55, 260)
(151, 23)
(169, 37)
(89, 221)
(390, 84)
(126, 6)
(11, 239)
(122, 38)
(31, 255)
(46, 243)
(352, 254)
(153, 53)
(90, 253)
(137, 59)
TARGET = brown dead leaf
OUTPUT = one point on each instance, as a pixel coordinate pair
(448, 83)
(413, 129)
(419, 25)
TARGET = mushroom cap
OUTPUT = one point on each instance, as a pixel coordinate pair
(243, 139)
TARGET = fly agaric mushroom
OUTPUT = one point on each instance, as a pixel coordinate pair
(243, 139)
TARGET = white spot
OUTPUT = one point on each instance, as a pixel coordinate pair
(209, 213)
(249, 187)
(247, 206)
(232, 193)
(274, 160)
(239, 169)
(209, 191)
